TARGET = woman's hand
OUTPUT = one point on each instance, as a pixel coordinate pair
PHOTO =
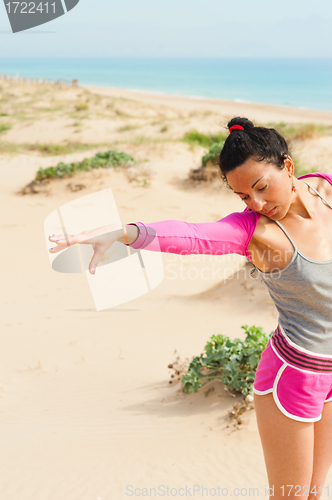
(101, 239)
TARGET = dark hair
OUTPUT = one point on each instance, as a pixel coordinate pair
(260, 143)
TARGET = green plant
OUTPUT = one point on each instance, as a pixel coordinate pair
(233, 361)
(100, 160)
(195, 138)
(213, 153)
(4, 127)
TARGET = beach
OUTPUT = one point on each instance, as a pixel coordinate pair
(87, 410)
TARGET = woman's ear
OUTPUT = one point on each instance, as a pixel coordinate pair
(289, 165)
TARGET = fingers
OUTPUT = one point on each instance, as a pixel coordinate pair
(62, 242)
(99, 238)
(99, 252)
(58, 248)
(71, 239)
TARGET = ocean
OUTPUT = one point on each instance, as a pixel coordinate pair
(303, 83)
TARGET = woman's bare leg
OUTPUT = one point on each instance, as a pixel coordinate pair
(288, 447)
(322, 451)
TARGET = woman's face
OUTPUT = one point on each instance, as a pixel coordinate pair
(263, 187)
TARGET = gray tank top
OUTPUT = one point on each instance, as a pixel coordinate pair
(302, 293)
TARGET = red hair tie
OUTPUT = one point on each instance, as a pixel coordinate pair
(236, 127)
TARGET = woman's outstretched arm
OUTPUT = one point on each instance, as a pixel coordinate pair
(230, 234)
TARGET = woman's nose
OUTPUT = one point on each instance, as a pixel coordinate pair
(258, 205)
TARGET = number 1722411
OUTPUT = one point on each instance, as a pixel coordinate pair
(30, 7)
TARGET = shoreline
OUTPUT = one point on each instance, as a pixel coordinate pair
(154, 96)
(229, 107)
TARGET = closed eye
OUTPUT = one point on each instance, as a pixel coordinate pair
(262, 189)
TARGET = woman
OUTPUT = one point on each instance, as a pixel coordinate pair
(286, 232)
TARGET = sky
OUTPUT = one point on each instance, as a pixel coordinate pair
(178, 28)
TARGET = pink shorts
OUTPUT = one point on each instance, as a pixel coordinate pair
(300, 380)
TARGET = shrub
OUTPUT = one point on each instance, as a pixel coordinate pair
(81, 106)
(209, 170)
(233, 361)
(213, 154)
(100, 160)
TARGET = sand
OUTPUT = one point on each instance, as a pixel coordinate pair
(87, 411)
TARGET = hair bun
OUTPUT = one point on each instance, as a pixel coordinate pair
(243, 122)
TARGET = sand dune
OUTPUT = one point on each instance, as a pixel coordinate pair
(87, 411)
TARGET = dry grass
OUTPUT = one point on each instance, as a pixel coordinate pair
(302, 131)
(139, 174)
(238, 409)
(178, 367)
(81, 106)
(49, 149)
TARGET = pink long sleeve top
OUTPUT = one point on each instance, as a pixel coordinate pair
(231, 234)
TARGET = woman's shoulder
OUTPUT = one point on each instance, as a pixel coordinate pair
(320, 181)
